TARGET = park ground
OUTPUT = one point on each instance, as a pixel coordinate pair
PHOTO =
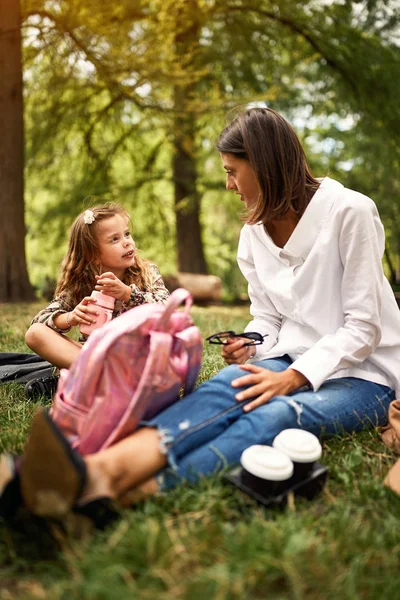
(210, 540)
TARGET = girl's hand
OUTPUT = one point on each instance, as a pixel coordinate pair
(266, 384)
(109, 284)
(83, 313)
(235, 352)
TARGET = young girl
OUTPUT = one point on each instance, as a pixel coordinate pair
(101, 256)
(311, 251)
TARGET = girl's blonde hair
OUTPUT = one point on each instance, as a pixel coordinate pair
(78, 269)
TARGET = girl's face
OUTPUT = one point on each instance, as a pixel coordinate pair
(116, 246)
(240, 177)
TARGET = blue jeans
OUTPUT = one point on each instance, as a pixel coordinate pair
(208, 429)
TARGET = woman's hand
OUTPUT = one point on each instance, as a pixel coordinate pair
(83, 313)
(266, 384)
(109, 284)
(234, 351)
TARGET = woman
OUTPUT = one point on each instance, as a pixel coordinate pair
(311, 253)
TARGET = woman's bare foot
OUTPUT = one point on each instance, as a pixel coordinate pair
(139, 493)
(125, 466)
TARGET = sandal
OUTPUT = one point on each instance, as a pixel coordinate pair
(10, 490)
(52, 475)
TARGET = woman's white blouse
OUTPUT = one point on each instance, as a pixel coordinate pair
(323, 298)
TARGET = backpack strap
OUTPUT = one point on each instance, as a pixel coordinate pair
(195, 349)
(194, 353)
(175, 300)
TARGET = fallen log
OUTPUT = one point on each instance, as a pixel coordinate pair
(204, 288)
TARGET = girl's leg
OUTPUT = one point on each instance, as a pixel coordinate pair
(346, 404)
(58, 349)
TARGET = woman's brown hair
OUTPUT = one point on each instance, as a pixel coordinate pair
(79, 267)
(264, 138)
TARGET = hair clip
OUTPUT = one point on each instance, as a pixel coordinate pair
(88, 217)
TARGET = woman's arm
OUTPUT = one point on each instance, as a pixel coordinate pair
(361, 246)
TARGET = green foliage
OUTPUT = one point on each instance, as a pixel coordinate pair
(107, 86)
(210, 540)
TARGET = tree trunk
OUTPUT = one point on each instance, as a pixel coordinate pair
(14, 281)
(191, 257)
(187, 200)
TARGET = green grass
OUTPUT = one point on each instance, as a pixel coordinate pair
(210, 541)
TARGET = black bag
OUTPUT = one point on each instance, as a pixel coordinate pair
(21, 368)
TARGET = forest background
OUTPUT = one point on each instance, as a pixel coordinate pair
(125, 99)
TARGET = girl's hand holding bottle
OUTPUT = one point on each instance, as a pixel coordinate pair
(84, 313)
(109, 284)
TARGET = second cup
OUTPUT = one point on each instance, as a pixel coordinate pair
(302, 447)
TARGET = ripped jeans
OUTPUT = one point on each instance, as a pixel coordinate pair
(208, 430)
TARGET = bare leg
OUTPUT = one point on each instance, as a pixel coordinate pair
(124, 466)
(58, 349)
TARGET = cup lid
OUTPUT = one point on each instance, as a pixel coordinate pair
(103, 299)
(267, 463)
(302, 446)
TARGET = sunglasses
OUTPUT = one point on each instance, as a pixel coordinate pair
(220, 338)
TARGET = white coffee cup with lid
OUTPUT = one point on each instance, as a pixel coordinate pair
(266, 469)
(302, 447)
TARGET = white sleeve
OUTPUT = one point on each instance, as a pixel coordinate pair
(361, 246)
(267, 320)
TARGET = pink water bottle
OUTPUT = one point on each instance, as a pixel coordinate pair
(105, 307)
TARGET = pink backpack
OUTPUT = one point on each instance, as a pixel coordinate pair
(128, 370)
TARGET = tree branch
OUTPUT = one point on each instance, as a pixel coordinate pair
(303, 33)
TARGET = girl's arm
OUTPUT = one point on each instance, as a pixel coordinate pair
(157, 293)
(55, 315)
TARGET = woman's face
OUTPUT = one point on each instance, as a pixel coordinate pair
(241, 178)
